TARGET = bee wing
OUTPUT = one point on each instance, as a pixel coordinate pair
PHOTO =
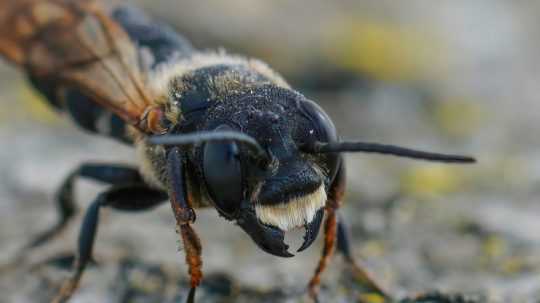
(76, 44)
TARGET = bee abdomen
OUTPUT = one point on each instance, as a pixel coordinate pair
(161, 40)
(94, 118)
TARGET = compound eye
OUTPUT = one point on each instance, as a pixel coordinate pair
(223, 174)
(323, 131)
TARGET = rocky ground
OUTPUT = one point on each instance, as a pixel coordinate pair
(454, 76)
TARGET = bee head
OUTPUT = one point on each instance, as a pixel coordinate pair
(286, 187)
(268, 158)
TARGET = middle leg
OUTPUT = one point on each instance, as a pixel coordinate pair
(127, 198)
(357, 268)
(110, 174)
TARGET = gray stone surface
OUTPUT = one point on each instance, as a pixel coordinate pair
(418, 226)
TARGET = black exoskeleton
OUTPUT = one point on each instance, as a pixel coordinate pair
(210, 129)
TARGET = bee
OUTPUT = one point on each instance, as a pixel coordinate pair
(211, 129)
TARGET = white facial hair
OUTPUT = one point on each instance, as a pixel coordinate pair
(293, 213)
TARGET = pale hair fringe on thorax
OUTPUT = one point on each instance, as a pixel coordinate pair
(160, 79)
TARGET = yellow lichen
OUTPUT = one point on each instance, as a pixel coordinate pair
(431, 180)
(384, 51)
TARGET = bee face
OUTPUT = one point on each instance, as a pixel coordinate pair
(288, 193)
(267, 157)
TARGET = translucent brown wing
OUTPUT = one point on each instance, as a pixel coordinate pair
(76, 44)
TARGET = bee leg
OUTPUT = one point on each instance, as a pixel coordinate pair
(136, 197)
(328, 251)
(333, 234)
(106, 173)
(184, 215)
(335, 196)
(360, 273)
(193, 250)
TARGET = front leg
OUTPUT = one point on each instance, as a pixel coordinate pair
(184, 215)
(337, 231)
(328, 251)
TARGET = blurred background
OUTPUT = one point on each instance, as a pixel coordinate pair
(452, 76)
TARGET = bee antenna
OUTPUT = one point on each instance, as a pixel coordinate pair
(338, 147)
(261, 155)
